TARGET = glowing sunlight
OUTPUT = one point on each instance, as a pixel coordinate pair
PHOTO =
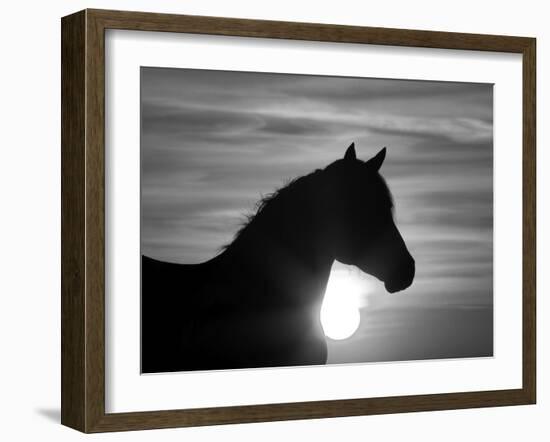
(340, 310)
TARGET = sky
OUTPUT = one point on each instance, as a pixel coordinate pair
(214, 142)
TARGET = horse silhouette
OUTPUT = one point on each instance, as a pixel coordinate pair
(257, 303)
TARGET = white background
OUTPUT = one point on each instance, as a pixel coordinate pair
(128, 391)
(30, 222)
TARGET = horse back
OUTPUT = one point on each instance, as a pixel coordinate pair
(170, 295)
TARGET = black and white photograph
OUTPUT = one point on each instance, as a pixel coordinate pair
(296, 220)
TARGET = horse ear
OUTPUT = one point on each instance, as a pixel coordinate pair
(350, 153)
(376, 161)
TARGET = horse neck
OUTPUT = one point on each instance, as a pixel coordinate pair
(287, 234)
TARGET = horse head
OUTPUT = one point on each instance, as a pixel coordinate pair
(358, 213)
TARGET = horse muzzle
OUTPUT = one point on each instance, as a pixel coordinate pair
(402, 277)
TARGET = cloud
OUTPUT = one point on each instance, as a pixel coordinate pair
(185, 120)
(460, 130)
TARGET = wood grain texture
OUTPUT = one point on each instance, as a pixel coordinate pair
(144, 21)
(308, 410)
(529, 220)
(73, 128)
(83, 220)
(95, 222)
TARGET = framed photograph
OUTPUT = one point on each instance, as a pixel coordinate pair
(271, 220)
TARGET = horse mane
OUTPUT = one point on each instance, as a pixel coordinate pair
(268, 200)
(287, 190)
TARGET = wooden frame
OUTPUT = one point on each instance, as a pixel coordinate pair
(83, 215)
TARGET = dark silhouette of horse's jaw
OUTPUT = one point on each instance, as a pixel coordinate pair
(257, 304)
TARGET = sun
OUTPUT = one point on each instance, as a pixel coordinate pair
(340, 315)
